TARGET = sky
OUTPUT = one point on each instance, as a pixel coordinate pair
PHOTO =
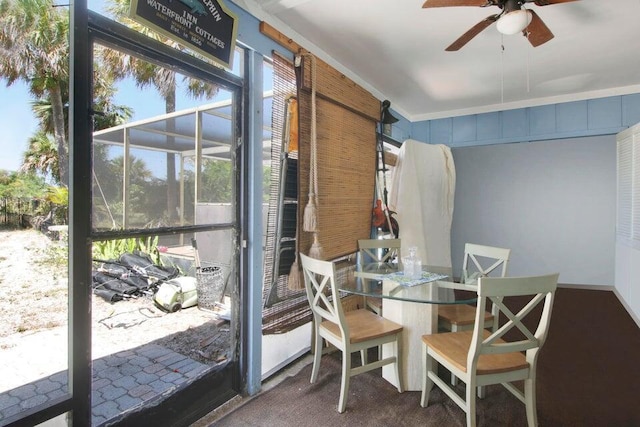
(16, 118)
(18, 123)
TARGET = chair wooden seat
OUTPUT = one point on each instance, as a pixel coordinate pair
(349, 332)
(454, 347)
(363, 326)
(481, 357)
(459, 317)
(479, 261)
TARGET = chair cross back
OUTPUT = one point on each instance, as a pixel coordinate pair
(354, 331)
(321, 278)
(477, 255)
(379, 250)
(494, 290)
(480, 358)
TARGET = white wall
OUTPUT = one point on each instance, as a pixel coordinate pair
(628, 278)
(278, 350)
(552, 202)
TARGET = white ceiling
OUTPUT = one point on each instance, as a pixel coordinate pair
(395, 49)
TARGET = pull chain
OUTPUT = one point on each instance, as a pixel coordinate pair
(529, 49)
(502, 68)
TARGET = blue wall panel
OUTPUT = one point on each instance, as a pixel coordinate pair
(542, 120)
(441, 130)
(571, 116)
(489, 126)
(464, 129)
(605, 113)
(420, 131)
(630, 110)
(515, 123)
(602, 116)
(249, 33)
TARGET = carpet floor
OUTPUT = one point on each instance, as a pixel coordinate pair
(587, 376)
(372, 402)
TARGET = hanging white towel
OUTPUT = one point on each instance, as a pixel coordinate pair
(422, 193)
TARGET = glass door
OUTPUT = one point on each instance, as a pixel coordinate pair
(165, 233)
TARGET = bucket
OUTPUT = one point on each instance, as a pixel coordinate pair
(210, 285)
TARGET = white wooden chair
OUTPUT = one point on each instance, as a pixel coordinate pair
(378, 253)
(480, 357)
(479, 261)
(349, 332)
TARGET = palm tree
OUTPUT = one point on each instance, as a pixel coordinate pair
(41, 156)
(103, 92)
(162, 79)
(34, 48)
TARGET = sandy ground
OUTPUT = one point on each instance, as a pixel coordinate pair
(33, 313)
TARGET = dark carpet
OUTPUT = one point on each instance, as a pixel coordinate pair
(587, 376)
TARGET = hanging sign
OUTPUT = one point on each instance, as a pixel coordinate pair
(205, 26)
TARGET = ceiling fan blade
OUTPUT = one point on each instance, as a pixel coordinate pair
(449, 3)
(548, 2)
(473, 31)
(537, 32)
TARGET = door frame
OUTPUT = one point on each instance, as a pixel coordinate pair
(218, 386)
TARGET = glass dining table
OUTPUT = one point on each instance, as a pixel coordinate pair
(431, 288)
(413, 304)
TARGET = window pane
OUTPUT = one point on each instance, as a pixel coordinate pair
(163, 305)
(179, 140)
(108, 172)
(167, 333)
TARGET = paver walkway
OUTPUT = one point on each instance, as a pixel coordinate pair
(121, 382)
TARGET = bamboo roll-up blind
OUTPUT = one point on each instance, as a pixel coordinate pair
(346, 159)
(340, 89)
(283, 309)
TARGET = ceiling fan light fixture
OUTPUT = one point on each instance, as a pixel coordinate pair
(514, 21)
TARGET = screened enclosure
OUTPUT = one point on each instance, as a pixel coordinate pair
(178, 169)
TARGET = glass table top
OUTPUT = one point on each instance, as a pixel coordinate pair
(383, 282)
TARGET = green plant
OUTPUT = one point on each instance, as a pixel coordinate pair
(58, 197)
(149, 245)
(112, 249)
(57, 255)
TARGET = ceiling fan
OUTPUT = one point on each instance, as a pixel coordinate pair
(512, 19)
